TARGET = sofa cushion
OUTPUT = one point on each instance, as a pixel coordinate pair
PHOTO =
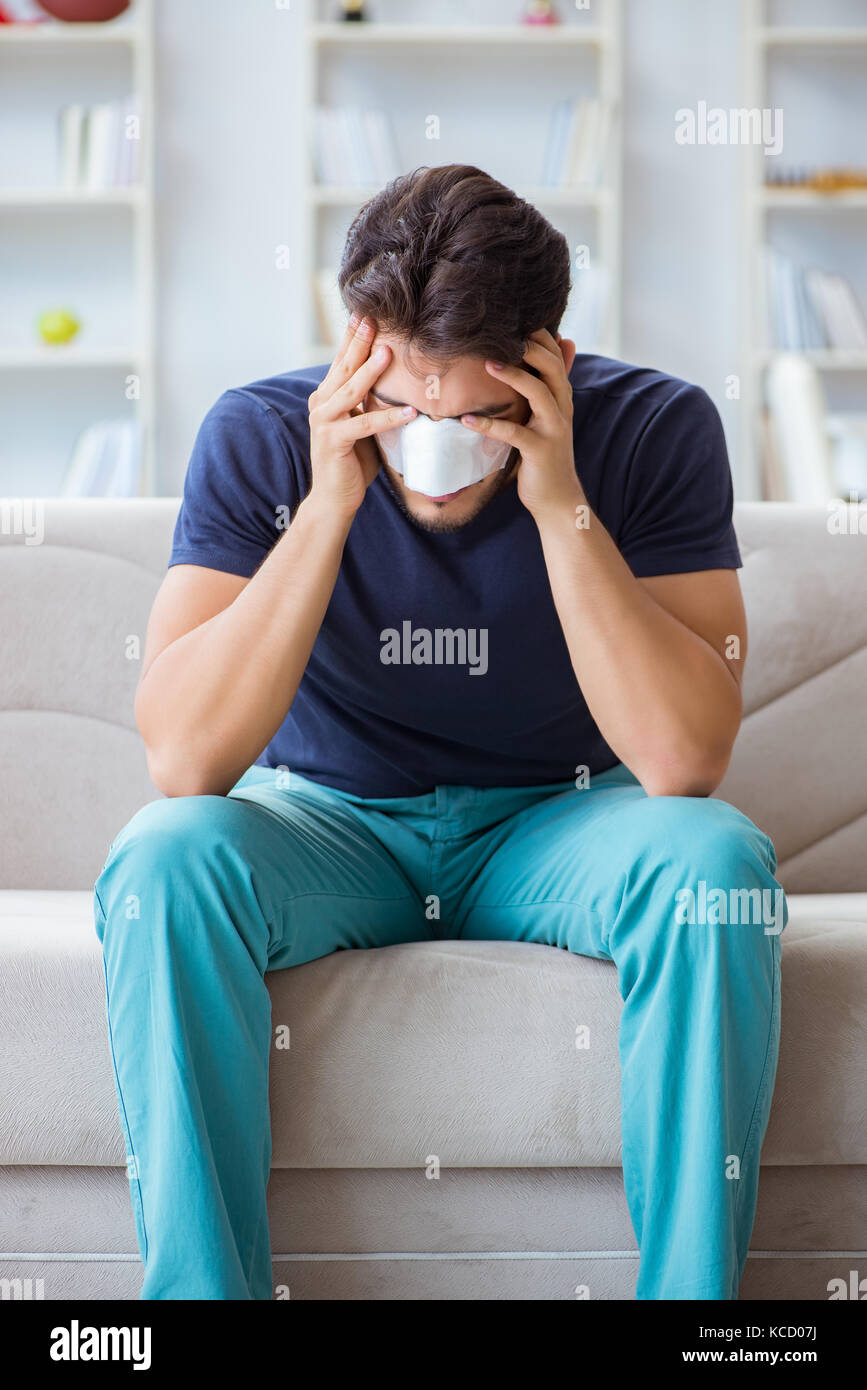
(460, 1049)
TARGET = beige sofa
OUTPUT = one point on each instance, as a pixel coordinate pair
(463, 1051)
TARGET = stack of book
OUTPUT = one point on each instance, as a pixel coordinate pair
(811, 309)
(354, 146)
(797, 459)
(99, 145)
(331, 312)
(577, 143)
(585, 316)
(106, 461)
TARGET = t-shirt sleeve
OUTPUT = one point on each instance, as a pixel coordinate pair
(678, 497)
(240, 488)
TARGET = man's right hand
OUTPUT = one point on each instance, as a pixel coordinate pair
(342, 454)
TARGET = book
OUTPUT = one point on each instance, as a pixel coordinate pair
(96, 148)
(584, 319)
(353, 147)
(557, 143)
(386, 162)
(71, 145)
(577, 143)
(103, 132)
(106, 461)
(329, 306)
(796, 406)
(811, 309)
(843, 318)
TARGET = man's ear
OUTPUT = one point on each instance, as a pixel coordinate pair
(569, 351)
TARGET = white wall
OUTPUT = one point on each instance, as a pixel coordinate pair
(229, 168)
(681, 261)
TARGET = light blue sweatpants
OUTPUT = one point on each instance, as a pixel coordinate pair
(201, 895)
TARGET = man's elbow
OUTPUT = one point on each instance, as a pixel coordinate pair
(698, 776)
(175, 776)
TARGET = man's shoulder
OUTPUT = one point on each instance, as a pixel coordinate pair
(619, 385)
(284, 393)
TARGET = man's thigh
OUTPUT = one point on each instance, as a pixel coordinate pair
(343, 888)
(304, 876)
(564, 869)
(551, 876)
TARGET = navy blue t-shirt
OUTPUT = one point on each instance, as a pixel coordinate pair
(441, 659)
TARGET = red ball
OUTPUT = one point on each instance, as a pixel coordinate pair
(85, 11)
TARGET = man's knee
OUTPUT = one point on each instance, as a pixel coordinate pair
(171, 838)
(698, 830)
(701, 861)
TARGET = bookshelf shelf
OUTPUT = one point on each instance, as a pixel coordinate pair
(590, 214)
(49, 35)
(70, 197)
(52, 415)
(807, 37)
(64, 358)
(337, 196)
(825, 359)
(802, 198)
(457, 34)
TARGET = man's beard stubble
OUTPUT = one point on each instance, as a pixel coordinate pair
(445, 525)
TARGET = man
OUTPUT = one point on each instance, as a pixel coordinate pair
(496, 660)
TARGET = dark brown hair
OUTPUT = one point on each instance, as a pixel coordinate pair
(455, 264)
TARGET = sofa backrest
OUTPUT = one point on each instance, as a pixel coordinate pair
(78, 577)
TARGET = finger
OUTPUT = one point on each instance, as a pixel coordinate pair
(353, 391)
(349, 334)
(368, 422)
(353, 351)
(507, 431)
(543, 404)
(550, 364)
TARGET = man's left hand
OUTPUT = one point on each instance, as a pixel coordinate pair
(547, 482)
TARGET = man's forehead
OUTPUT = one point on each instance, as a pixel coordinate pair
(409, 371)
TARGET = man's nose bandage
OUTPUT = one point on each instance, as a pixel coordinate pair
(440, 456)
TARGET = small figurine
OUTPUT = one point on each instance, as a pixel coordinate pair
(352, 9)
(540, 12)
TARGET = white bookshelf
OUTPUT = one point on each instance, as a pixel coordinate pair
(429, 50)
(764, 43)
(32, 375)
(446, 35)
(818, 36)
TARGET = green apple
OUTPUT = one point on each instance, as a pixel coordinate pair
(57, 326)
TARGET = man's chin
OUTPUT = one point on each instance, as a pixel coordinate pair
(452, 511)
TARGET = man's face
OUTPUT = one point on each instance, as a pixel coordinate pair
(465, 389)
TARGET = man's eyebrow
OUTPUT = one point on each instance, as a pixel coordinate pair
(480, 410)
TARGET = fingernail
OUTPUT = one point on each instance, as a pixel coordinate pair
(497, 366)
(471, 418)
(408, 410)
(353, 322)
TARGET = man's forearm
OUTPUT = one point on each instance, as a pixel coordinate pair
(663, 698)
(212, 700)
